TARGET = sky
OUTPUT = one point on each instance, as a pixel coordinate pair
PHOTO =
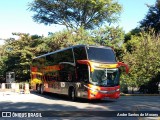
(15, 17)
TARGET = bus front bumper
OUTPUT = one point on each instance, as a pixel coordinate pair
(104, 92)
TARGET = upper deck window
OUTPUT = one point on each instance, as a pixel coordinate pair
(62, 56)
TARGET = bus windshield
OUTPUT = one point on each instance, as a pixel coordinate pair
(105, 77)
(105, 55)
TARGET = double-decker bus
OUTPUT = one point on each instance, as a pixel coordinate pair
(82, 71)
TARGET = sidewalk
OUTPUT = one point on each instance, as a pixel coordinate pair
(4, 93)
(10, 92)
(16, 97)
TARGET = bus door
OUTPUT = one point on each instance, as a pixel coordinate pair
(82, 80)
(67, 76)
(82, 74)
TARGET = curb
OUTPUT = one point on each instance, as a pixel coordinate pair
(140, 94)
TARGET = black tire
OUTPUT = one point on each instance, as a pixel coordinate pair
(72, 94)
(41, 89)
(38, 88)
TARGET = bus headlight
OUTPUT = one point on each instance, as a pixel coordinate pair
(104, 92)
(117, 90)
(92, 89)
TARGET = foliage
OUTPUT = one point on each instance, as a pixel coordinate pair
(75, 13)
(144, 60)
(109, 36)
(67, 38)
(18, 55)
(151, 21)
(35, 81)
(136, 31)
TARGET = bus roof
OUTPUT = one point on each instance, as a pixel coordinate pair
(70, 48)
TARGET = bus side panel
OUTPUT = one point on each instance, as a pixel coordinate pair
(82, 91)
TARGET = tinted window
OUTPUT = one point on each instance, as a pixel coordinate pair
(66, 56)
(80, 53)
(63, 56)
(51, 60)
(82, 73)
(101, 54)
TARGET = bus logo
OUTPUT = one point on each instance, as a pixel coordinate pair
(6, 114)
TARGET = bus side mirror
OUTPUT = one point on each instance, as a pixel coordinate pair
(124, 65)
(86, 62)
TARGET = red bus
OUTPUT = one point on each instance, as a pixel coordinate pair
(82, 71)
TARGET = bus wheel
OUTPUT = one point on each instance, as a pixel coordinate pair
(38, 88)
(41, 89)
(72, 94)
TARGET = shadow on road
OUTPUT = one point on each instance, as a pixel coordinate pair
(54, 96)
(31, 106)
(51, 103)
(47, 102)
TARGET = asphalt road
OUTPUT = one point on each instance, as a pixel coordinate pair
(51, 102)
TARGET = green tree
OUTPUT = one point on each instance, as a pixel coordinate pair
(3, 58)
(75, 13)
(67, 38)
(152, 18)
(144, 60)
(109, 36)
(18, 55)
(136, 31)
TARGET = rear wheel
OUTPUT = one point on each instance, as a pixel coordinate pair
(41, 89)
(38, 88)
